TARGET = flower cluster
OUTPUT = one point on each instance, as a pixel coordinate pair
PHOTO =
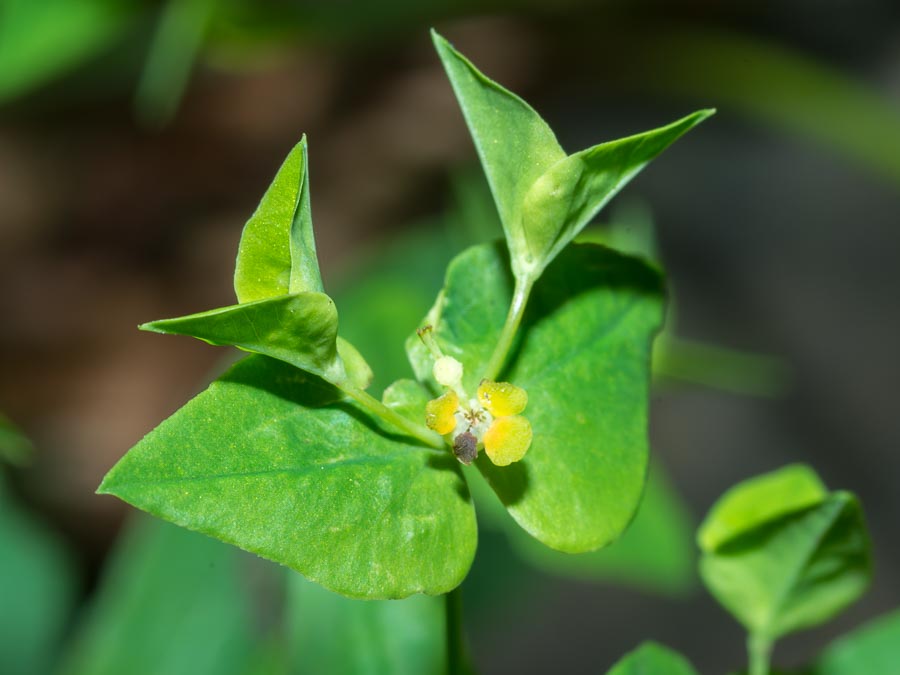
(490, 420)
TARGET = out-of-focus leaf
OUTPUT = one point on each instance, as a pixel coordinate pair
(36, 590)
(15, 447)
(583, 358)
(277, 253)
(652, 658)
(780, 556)
(42, 40)
(758, 501)
(271, 460)
(655, 553)
(874, 648)
(328, 633)
(178, 38)
(171, 601)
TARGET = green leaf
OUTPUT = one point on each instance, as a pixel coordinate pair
(569, 194)
(874, 648)
(515, 145)
(298, 329)
(37, 587)
(760, 500)
(171, 601)
(788, 568)
(277, 253)
(332, 634)
(652, 658)
(407, 397)
(584, 359)
(544, 197)
(269, 459)
(15, 447)
(42, 40)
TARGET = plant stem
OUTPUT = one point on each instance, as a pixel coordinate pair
(759, 649)
(513, 319)
(372, 404)
(456, 650)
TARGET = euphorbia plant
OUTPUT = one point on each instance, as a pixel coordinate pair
(532, 365)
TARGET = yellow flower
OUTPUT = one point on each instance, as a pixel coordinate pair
(492, 420)
(508, 438)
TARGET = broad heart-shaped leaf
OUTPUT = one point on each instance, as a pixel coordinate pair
(584, 359)
(277, 253)
(874, 648)
(171, 601)
(569, 194)
(515, 145)
(792, 571)
(328, 633)
(652, 658)
(271, 460)
(298, 329)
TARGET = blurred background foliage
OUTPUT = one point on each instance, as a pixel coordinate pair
(136, 138)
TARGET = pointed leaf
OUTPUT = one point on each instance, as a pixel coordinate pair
(569, 194)
(277, 253)
(332, 634)
(584, 359)
(791, 572)
(652, 658)
(269, 459)
(298, 329)
(515, 145)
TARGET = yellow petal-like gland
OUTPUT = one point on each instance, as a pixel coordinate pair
(507, 440)
(439, 413)
(502, 398)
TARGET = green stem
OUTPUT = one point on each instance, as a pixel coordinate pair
(456, 649)
(759, 649)
(372, 404)
(513, 319)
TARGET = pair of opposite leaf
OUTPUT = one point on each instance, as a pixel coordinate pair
(585, 362)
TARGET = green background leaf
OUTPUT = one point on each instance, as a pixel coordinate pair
(759, 500)
(652, 658)
(298, 329)
(328, 633)
(171, 601)
(277, 253)
(584, 359)
(795, 571)
(272, 460)
(874, 648)
(37, 587)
